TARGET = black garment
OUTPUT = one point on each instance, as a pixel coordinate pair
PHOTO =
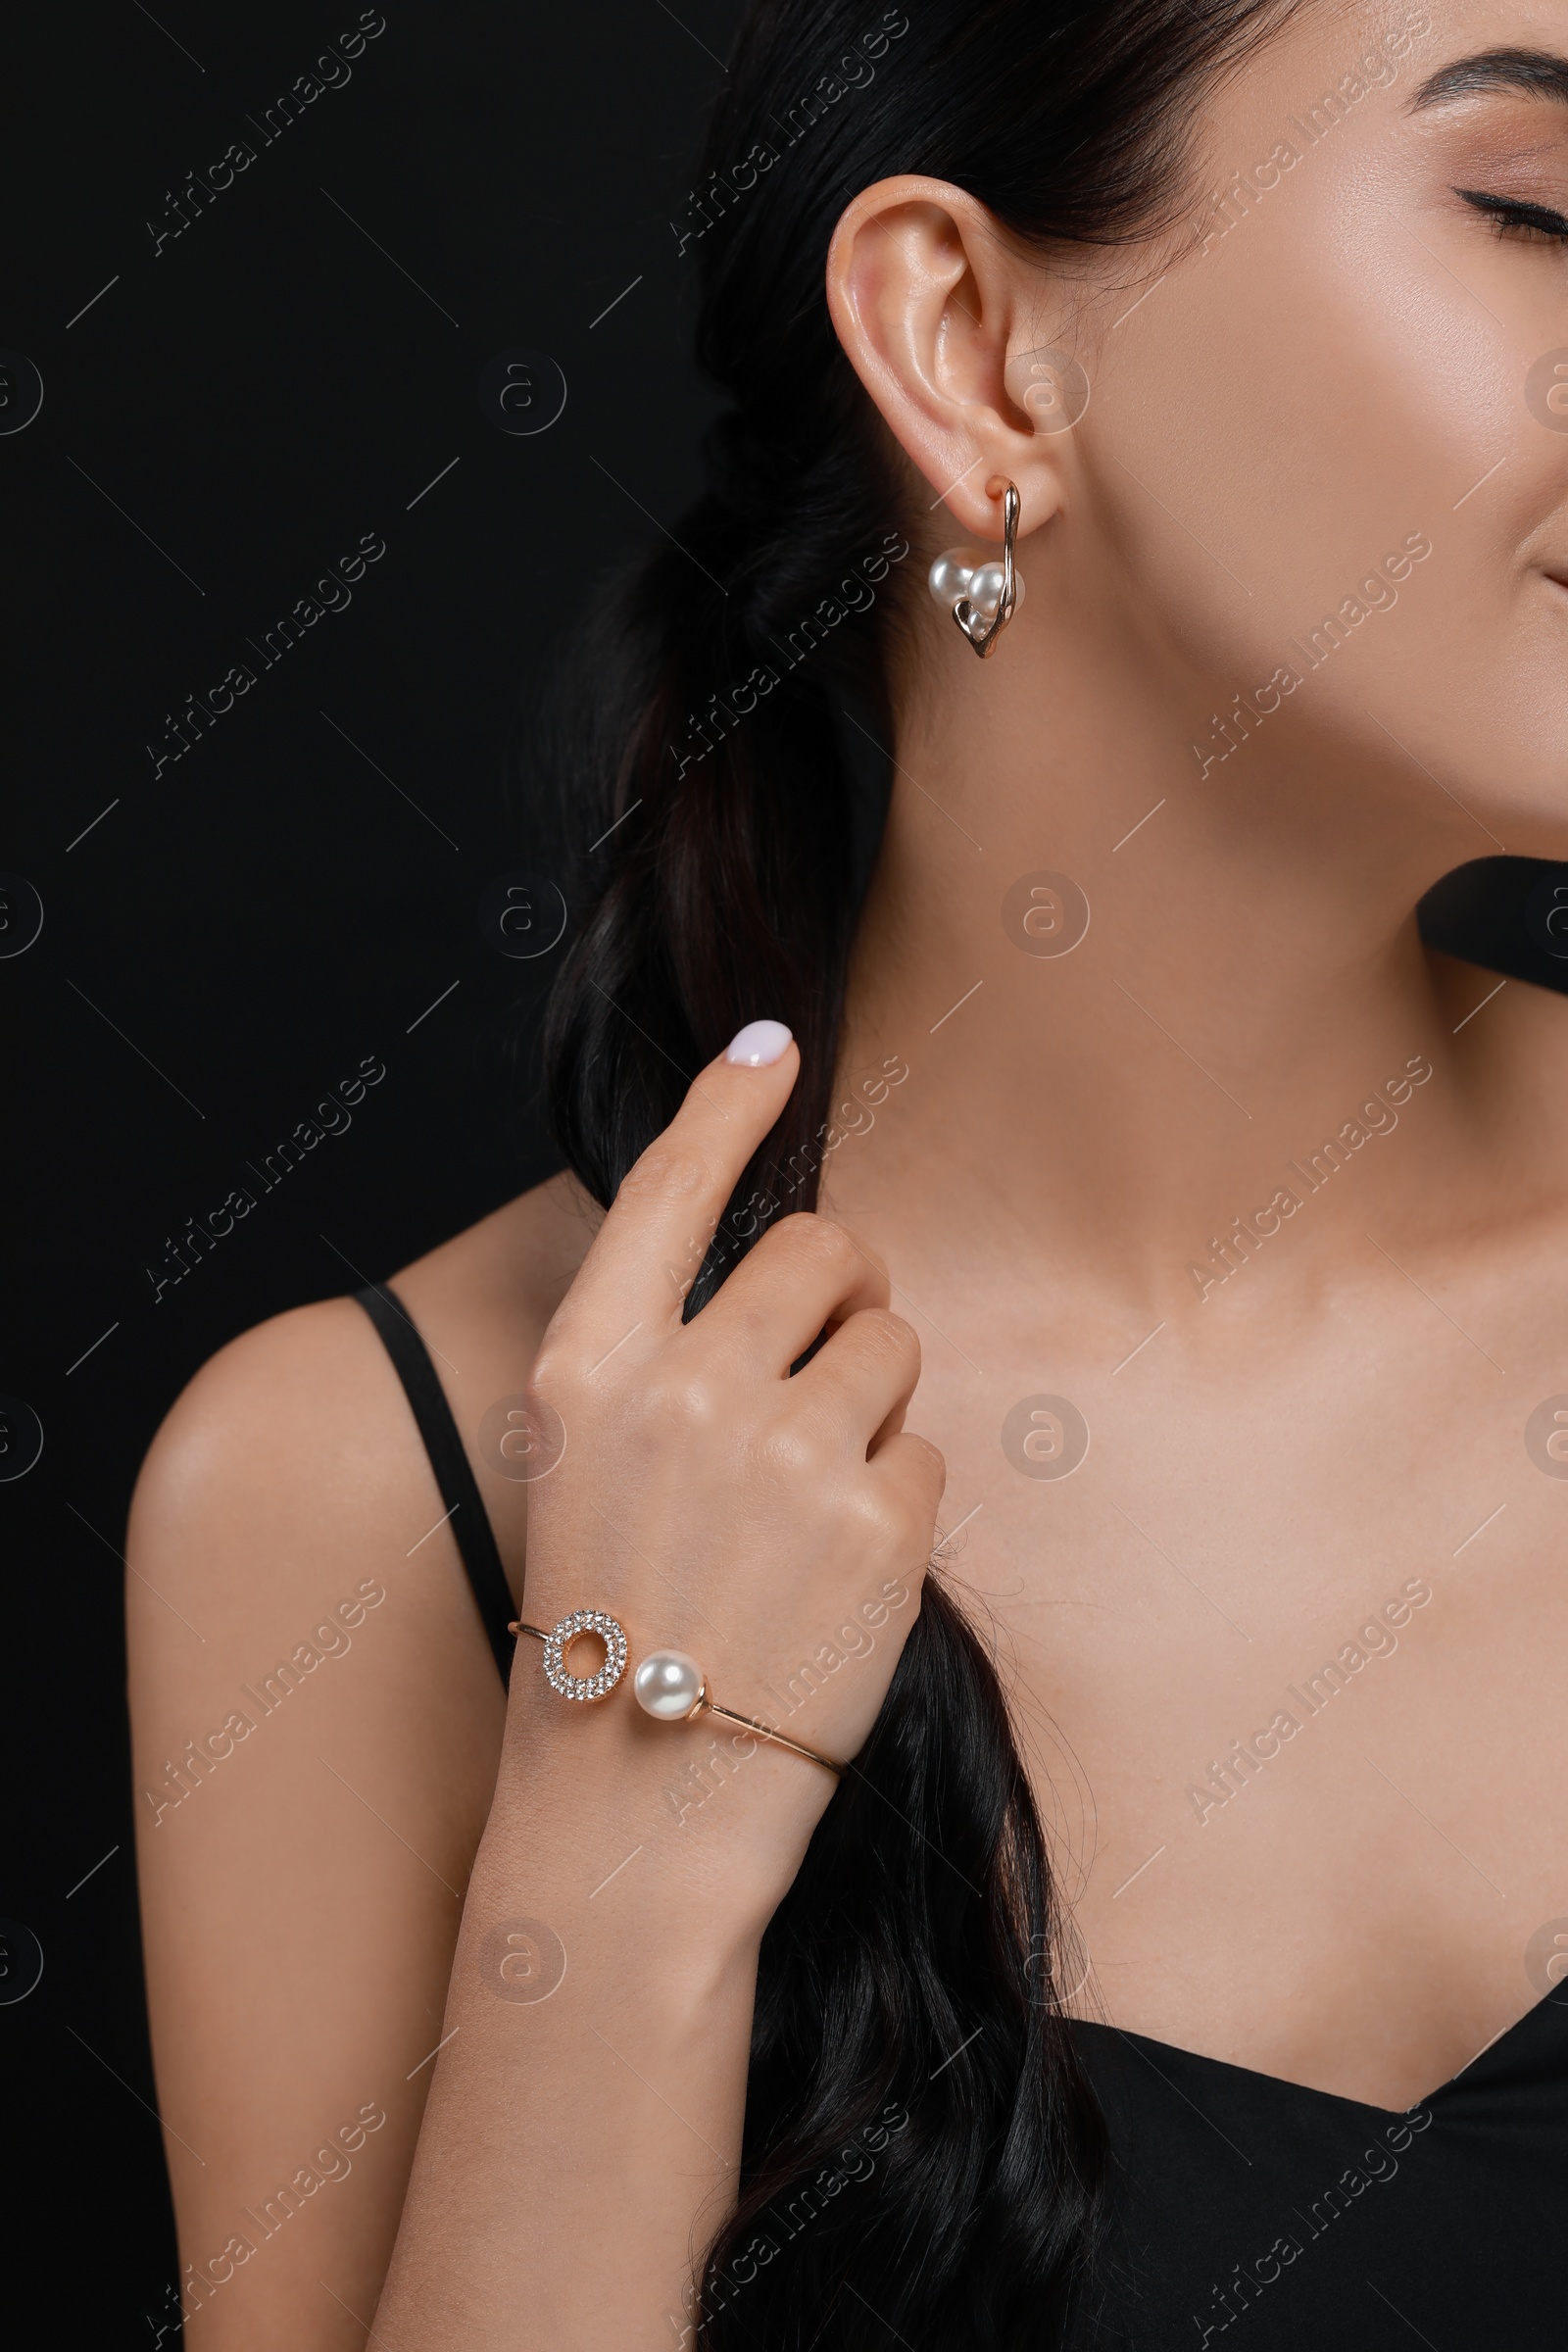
(460, 1490)
(1248, 2209)
(1268, 2218)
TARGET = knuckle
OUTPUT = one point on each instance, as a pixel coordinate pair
(666, 1171)
(890, 1335)
(792, 1450)
(681, 1401)
(552, 1375)
(819, 1240)
(926, 1459)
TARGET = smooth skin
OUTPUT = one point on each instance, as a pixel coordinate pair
(1275, 1459)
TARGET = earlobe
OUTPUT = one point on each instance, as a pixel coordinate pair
(926, 297)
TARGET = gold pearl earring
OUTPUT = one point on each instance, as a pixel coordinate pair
(981, 594)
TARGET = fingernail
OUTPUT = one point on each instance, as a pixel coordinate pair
(758, 1044)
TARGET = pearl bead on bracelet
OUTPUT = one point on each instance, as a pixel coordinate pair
(668, 1684)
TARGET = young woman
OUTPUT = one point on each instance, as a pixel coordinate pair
(1147, 1923)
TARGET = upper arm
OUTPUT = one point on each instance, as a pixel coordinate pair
(317, 1719)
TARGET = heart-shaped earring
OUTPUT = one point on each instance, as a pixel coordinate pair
(981, 594)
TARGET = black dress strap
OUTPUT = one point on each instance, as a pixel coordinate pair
(460, 1492)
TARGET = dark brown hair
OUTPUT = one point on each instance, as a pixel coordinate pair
(924, 2157)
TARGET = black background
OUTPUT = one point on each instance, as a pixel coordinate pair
(227, 938)
(281, 903)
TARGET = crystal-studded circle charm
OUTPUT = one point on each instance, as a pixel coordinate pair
(559, 1639)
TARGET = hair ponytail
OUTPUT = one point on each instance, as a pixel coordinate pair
(747, 821)
(922, 2147)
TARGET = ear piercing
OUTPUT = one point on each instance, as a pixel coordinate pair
(668, 1686)
(981, 594)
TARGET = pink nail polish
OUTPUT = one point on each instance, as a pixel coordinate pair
(758, 1044)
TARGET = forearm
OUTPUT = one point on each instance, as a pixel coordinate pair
(582, 2137)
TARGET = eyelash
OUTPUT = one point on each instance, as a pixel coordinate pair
(1511, 217)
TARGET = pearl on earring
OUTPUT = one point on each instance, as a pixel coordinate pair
(981, 594)
(974, 573)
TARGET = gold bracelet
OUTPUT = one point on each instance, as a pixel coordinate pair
(668, 1684)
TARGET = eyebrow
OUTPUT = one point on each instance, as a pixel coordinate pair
(1537, 73)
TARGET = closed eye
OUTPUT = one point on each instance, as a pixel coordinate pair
(1510, 216)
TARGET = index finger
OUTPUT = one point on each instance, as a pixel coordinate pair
(672, 1199)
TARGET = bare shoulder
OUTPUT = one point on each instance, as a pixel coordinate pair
(303, 1415)
(316, 1722)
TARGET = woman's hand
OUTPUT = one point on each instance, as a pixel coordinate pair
(584, 2128)
(775, 1528)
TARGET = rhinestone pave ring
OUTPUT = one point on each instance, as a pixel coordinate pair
(559, 1639)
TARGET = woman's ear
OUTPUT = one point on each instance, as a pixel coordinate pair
(927, 299)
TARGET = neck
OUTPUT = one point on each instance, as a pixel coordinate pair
(1250, 981)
